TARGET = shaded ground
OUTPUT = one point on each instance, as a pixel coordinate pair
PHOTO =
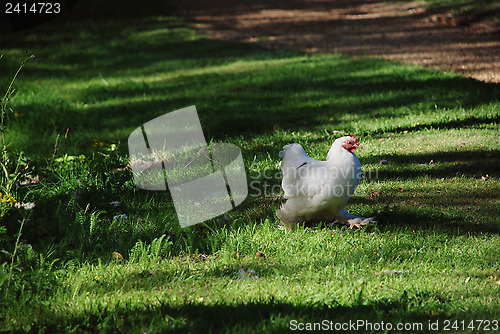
(395, 30)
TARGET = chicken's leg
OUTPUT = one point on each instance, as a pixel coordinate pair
(354, 221)
(287, 224)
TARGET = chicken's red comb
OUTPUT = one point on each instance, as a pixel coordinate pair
(353, 136)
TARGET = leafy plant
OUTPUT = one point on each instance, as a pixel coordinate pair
(10, 169)
(9, 175)
(157, 249)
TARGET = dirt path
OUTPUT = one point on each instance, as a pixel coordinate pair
(401, 31)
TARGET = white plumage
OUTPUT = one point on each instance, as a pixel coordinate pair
(319, 190)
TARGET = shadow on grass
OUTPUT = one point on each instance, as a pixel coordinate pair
(113, 75)
(110, 75)
(397, 219)
(437, 165)
(231, 104)
(271, 316)
(470, 121)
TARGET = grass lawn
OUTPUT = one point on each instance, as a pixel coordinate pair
(432, 258)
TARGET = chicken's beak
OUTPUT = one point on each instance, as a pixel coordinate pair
(357, 145)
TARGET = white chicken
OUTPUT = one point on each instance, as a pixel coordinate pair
(319, 190)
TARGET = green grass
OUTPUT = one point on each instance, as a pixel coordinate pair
(436, 199)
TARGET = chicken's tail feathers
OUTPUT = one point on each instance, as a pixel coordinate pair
(282, 153)
(287, 149)
(293, 156)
